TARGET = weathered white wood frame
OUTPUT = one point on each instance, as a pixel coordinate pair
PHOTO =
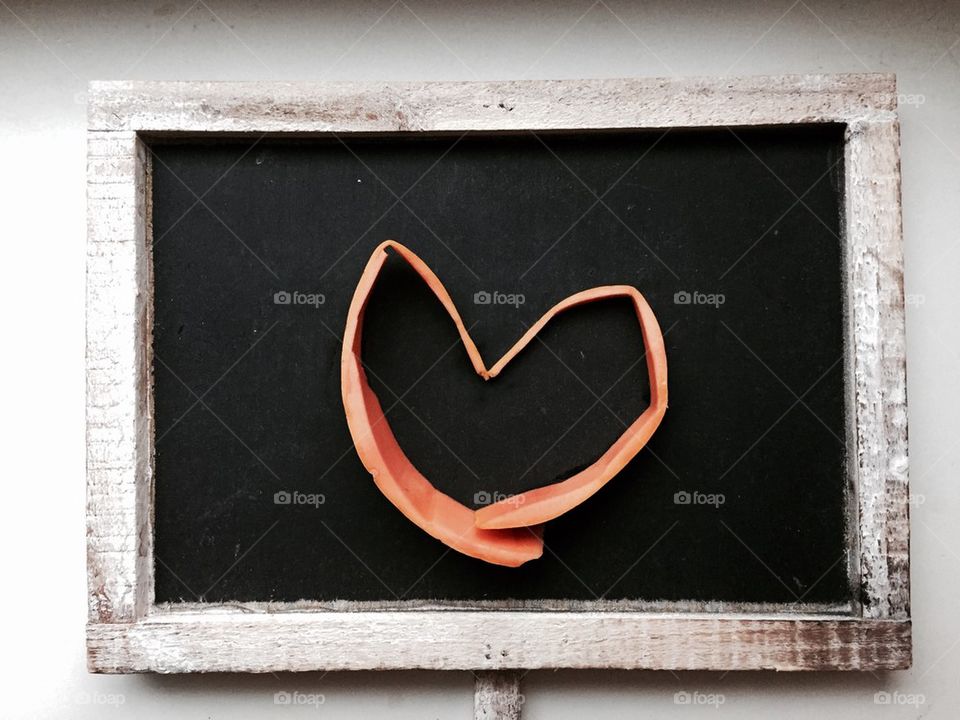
(127, 632)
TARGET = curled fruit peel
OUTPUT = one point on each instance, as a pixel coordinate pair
(507, 532)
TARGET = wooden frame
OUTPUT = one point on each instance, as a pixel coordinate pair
(127, 632)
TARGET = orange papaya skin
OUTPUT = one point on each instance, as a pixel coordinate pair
(508, 532)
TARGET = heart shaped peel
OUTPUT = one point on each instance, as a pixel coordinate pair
(507, 532)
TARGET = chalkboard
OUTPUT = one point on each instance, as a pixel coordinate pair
(731, 236)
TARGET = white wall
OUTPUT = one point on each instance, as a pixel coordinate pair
(47, 53)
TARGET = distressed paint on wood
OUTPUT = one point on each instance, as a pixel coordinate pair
(456, 640)
(874, 238)
(119, 417)
(497, 696)
(506, 105)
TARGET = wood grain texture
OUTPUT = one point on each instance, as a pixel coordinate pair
(497, 696)
(875, 279)
(508, 105)
(494, 641)
(119, 420)
(127, 633)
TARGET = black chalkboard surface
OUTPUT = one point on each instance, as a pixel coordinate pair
(740, 495)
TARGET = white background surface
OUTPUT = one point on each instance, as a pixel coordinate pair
(47, 53)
